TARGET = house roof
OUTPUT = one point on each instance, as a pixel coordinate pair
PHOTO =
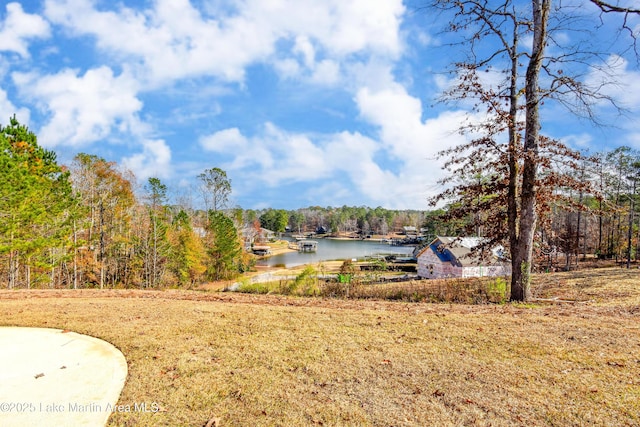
(459, 251)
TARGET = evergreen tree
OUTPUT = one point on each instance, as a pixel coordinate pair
(35, 204)
(225, 253)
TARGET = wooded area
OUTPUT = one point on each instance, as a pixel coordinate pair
(85, 225)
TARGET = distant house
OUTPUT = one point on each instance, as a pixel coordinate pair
(454, 257)
(251, 235)
(409, 230)
(321, 230)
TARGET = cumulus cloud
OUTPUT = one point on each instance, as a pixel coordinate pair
(410, 141)
(276, 156)
(174, 40)
(18, 27)
(82, 108)
(396, 167)
(153, 161)
(225, 140)
(171, 41)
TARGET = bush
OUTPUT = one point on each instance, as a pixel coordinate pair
(306, 283)
(255, 288)
(497, 290)
(465, 291)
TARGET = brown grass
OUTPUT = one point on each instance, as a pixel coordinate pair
(285, 361)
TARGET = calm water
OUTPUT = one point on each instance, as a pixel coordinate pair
(329, 249)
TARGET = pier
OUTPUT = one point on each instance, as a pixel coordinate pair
(307, 245)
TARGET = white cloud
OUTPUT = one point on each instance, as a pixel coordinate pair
(174, 40)
(83, 109)
(327, 72)
(18, 27)
(153, 161)
(354, 154)
(287, 68)
(411, 141)
(306, 49)
(224, 141)
(171, 41)
(578, 141)
(275, 156)
(7, 110)
(618, 82)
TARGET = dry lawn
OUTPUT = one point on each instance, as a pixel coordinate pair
(256, 360)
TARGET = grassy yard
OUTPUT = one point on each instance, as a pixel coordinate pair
(266, 360)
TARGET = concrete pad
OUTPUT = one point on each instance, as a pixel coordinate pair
(50, 377)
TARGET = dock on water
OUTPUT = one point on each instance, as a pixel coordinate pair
(307, 245)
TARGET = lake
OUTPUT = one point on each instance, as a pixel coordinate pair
(332, 249)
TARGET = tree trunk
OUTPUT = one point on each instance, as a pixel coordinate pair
(13, 269)
(102, 251)
(75, 256)
(630, 231)
(521, 262)
(512, 194)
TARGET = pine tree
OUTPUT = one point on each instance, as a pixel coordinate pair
(35, 204)
(225, 253)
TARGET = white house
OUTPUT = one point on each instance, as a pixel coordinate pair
(454, 257)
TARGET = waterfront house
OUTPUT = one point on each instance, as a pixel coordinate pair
(409, 230)
(455, 257)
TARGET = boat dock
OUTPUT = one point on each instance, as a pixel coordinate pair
(304, 245)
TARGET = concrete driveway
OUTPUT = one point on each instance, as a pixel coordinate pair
(50, 377)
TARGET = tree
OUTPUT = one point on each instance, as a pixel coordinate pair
(186, 260)
(105, 233)
(215, 188)
(156, 244)
(225, 252)
(275, 220)
(483, 26)
(296, 221)
(35, 204)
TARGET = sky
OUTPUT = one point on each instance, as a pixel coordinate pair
(301, 102)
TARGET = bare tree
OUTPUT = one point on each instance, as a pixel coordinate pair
(492, 34)
(215, 188)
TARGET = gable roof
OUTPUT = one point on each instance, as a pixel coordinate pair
(459, 251)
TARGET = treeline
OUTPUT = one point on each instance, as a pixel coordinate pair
(85, 225)
(598, 217)
(345, 220)
(587, 205)
(88, 224)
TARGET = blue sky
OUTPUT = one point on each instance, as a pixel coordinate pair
(302, 102)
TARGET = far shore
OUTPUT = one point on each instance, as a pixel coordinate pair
(282, 246)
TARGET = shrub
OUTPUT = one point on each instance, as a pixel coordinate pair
(255, 288)
(497, 290)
